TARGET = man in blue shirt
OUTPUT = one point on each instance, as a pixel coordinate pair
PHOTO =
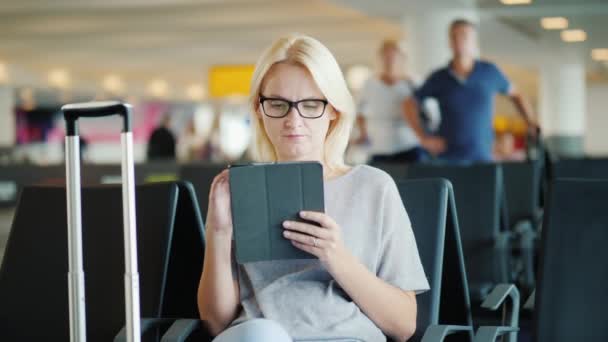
(465, 90)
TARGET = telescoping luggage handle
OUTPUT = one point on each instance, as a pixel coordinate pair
(71, 113)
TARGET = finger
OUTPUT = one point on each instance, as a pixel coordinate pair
(321, 218)
(307, 228)
(304, 239)
(306, 248)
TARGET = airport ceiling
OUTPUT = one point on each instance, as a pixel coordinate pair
(173, 39)
(588, 15)
(178, 39)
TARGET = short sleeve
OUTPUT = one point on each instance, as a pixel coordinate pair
(430, 87)
(399, 263)
(503, 85)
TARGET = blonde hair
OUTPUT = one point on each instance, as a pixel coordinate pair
(388, 44)
(318, 60)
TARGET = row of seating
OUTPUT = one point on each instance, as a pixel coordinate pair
(33, 282)
(12, 177)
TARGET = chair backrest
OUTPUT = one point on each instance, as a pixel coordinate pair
(14, 177)
(571, 296)
(397, 170)
(586, 168)
(430, 206)
(522, 182)
(426, 202)
(478, 191)
(201, 176)
(33, 277)
(186, 257)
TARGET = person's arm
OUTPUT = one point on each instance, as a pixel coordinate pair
(393, 310)
(524, 109)
(218, 291)
(410, 111)
(433, 144)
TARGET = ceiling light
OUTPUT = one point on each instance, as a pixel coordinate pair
(516, 2)
(195, 92)
(573, 36)
(554, 23)
(599, 54)
(113, 84)
(158, 88)
(59, 78)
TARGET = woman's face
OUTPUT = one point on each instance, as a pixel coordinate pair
(294, 137)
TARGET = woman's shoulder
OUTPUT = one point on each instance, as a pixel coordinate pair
(371, 176)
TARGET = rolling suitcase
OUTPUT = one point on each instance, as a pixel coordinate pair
(77, 302)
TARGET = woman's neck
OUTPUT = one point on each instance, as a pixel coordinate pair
(329, 172)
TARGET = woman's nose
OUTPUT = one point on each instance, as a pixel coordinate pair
(293, 118)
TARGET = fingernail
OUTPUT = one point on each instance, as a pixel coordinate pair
(285, 224)
(285, 233)
(302, 213)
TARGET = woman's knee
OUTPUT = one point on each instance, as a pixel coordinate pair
(255, 330)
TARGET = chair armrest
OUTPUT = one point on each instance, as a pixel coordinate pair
(437, 333)
(146, 325)
(494, 301)
(498, 296)
(490, 334)
(182, 329)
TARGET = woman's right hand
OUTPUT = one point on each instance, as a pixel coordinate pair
(219, 216)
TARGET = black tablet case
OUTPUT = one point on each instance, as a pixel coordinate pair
(265, 195)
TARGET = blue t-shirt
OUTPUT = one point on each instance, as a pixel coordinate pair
(467, 107)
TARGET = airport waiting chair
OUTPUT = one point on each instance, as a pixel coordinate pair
(479, 195)
(201, 176)
(570, 300)
(523, 184)
(430, 206)
(33, 278)
(586, 168)
(14, 177)
(445, 309)
(571, 297)
(396, 170)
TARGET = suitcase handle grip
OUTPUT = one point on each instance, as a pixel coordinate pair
(73, 111)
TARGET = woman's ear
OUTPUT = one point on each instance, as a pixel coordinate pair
(333, 114)
(258, 111)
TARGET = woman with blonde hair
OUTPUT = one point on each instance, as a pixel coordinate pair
(362, 284)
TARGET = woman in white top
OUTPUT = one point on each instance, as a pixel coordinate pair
(381, 119)
(362, 285)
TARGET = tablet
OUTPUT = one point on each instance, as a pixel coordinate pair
(265, 195)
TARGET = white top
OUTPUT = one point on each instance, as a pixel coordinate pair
(382, 106)
(304, 298)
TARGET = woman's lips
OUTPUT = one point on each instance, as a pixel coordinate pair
(294, 136)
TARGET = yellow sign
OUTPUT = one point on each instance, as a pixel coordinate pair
(230, 80)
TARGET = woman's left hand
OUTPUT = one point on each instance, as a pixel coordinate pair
(323, 241)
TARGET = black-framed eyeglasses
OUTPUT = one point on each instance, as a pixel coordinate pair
(307, 108)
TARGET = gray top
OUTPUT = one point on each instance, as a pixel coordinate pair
(303, 297)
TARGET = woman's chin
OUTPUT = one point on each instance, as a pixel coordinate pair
(295, 153)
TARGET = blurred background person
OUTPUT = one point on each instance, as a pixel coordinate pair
(381, 120)
(465, 90)
(161, 145)
(191, 146)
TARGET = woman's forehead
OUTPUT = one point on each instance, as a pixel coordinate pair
(290, 80)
